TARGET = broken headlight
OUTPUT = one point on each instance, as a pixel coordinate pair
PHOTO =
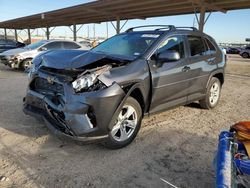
(84, 82)
(88, 78)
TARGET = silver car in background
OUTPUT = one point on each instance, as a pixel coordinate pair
(21, 58)
(245, 53)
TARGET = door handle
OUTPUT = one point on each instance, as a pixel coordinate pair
(186, 69)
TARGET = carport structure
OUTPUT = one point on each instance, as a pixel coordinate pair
(117, 10)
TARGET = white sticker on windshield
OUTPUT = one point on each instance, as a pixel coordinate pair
(136, 53)
(150, 35)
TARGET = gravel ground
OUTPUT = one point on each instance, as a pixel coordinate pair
(176, 146)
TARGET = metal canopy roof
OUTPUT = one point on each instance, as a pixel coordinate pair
(111, 10)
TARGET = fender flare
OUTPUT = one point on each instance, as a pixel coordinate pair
(214, 73)
(133, 87)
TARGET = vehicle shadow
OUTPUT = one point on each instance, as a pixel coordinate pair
(194, 105)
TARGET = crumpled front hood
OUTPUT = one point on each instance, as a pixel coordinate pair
(67, 59)
(14, 51)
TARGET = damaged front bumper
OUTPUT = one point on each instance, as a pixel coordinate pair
(81, 116)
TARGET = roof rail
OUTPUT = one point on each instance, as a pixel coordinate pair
(161, 27)
(192, 28)
(169, 27)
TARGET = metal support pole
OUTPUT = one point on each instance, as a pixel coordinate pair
(107, 28)
(117, 25)
(94, 30)
(16, 36)
(5, 33)
(202, 18)
(47, 33)
(29, 36)
(74, 32)
(88, 31)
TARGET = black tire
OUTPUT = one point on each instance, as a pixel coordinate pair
(25, 65)
(206, 103)
(245, 55)
(112, 143)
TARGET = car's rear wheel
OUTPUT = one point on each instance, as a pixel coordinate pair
(245, 55)
(126, 126)
(26, 64)
(212, 94)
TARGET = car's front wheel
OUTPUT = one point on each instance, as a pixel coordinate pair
(212, 95)
(126, 126)
(26, 64)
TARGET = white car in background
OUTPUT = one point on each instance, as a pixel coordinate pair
(22, 57)
(86, 44)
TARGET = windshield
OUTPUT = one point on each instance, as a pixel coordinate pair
(35, 45)
(130, 45)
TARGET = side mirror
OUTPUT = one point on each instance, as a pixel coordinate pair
(43, 49)
(168, 56)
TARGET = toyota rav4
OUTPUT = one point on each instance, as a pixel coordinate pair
(104, 93)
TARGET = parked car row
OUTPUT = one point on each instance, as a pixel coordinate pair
(231, 50)
(243, 52)
(7, 44)
(21, 58)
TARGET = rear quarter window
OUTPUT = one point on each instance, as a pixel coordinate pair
(197, 46)
(210, 48)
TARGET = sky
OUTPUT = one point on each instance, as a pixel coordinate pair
(231, 27)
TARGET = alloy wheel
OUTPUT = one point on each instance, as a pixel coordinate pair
(126, 123)
(27, 65)
(214, 93)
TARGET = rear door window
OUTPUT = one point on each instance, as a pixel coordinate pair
(197, 47)
(70, 45)
(210, 48)
(53, 45)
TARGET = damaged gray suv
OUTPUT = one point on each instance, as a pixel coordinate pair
(104, 93)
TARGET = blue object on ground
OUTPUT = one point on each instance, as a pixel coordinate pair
(224, 166)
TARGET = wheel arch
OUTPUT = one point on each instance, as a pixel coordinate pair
(220, 76)
(135, 91)
(217, 74)
(137, 95)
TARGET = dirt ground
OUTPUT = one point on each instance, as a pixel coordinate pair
(177, 146)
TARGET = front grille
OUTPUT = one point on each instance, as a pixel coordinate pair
(42, 85)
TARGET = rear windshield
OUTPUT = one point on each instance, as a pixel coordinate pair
(130, 45)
